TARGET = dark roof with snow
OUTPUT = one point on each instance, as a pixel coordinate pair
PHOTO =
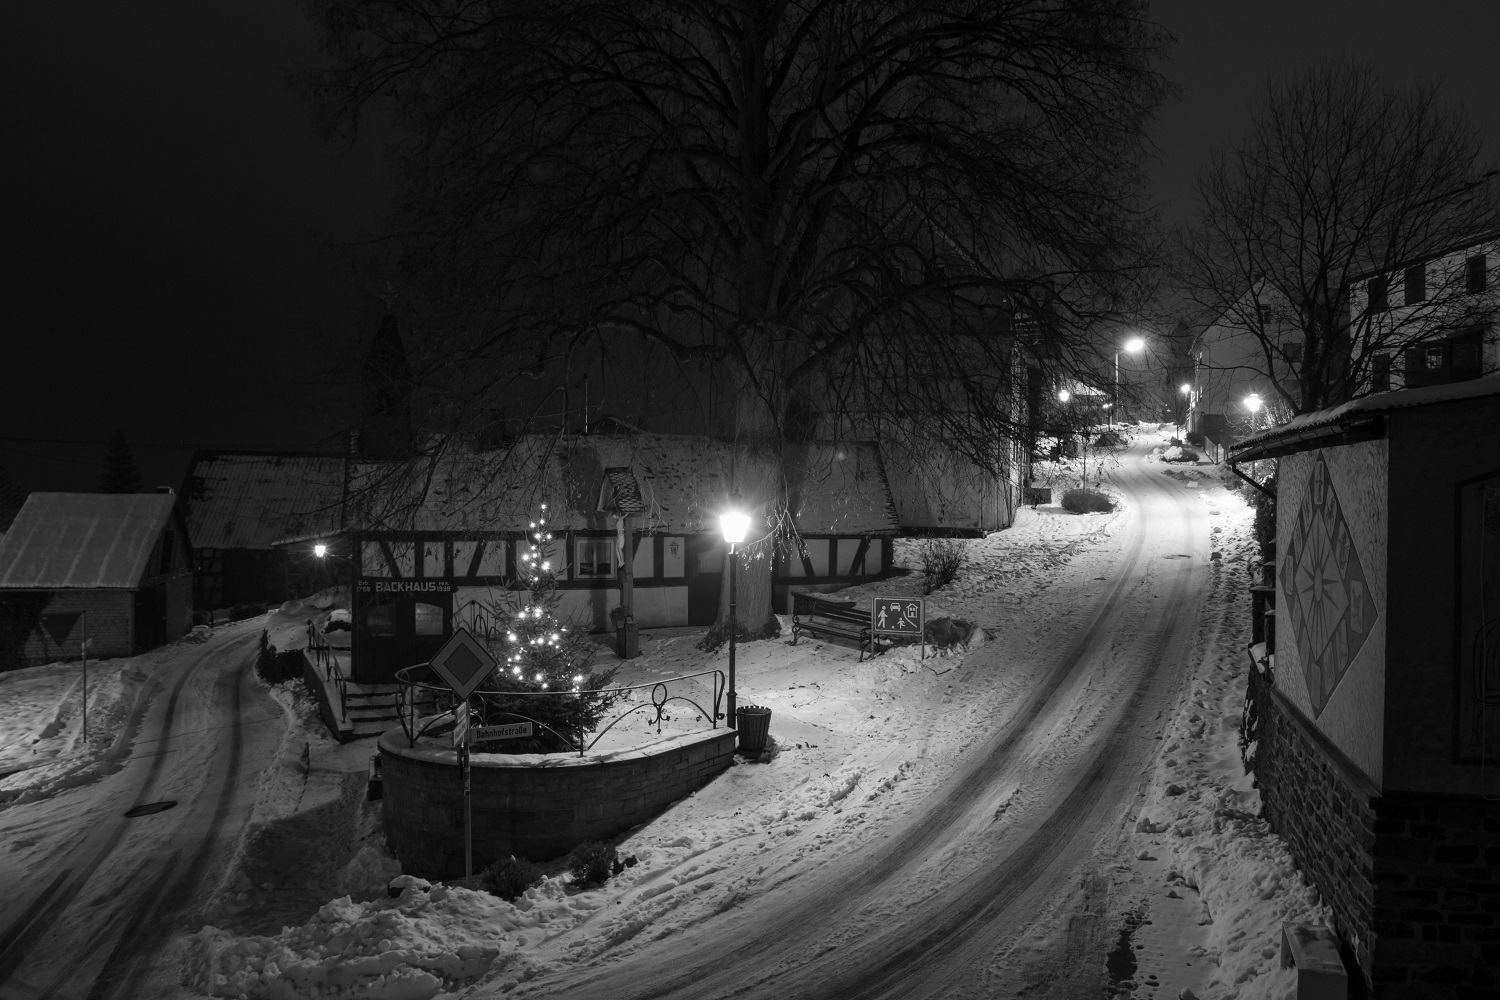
(681, 483)
(82, 540)
(1357, 420)
(238, 500)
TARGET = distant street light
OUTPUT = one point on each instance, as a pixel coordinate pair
(1187, 392)
(1134, 345)
(1064, 395)
(734, 523)
(320, 550)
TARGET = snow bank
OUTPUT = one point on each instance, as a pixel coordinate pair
(1200, 821)
(408, 948)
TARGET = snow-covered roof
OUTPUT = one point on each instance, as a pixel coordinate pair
(249, 501)
(1308, 430)
(682, 482)
(82, 540)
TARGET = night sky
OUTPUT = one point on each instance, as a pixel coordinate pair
(173, 223)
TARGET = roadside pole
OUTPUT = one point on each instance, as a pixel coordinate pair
(468, 814)
(461, 743)
(84, 646)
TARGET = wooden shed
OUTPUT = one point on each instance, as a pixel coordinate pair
(1376, 708)
(123, 559)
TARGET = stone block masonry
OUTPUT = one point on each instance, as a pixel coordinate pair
(109, 620)
(536, 806)
(1437, 896)
(1413, 879)
(1320, 804)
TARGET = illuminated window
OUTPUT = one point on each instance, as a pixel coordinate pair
(596, 558)
(429, 619)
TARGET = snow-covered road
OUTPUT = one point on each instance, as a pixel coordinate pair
(100, 892)
(939, 898)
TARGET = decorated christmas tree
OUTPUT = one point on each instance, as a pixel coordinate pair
(540, 653)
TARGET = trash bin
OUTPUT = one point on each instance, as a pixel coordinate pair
(754, 725)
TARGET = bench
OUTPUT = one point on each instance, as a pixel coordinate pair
(841, 619)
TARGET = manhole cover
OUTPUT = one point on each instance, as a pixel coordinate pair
(150, 807)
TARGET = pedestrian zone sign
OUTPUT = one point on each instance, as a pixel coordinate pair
(463, 663)
(899, 615)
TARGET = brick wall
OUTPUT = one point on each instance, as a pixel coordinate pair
(537, 806)
(1322, 807)
(1437, 896)
(109, 622)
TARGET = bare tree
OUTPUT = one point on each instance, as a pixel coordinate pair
(1343, 179)
(836, 211)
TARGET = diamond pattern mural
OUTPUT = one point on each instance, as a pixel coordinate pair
(1328, 602)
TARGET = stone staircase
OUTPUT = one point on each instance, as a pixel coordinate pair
(371, 709)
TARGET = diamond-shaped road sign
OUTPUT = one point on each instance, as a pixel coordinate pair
(463, 663)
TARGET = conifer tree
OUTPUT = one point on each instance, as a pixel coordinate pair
(120, 473)
(539, 652)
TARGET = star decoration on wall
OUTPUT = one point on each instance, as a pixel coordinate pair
(1328, 602)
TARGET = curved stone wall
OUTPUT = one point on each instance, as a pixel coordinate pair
(536, 806)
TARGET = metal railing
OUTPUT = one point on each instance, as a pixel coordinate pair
(325, 657)
(478, 618)
(425, 703)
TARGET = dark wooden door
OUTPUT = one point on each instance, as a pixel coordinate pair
(398, 630)
(704, 566)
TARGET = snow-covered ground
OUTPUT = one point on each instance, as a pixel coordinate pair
(1200, 884)
(42, 744)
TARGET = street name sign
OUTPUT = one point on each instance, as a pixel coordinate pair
(897, 615)
(460, 723)
(508, 731)
(463, 663)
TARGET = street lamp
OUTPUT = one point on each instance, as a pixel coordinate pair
(1063, 395)
(1187, 394)
(320, 550)
(1252, 403)
(734, 523)
(1134, 345)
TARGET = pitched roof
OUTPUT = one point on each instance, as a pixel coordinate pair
(681, 482)
(1312, 430)
(82, 540)
(248, 501)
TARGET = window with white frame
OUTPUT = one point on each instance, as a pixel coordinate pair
(596, 558)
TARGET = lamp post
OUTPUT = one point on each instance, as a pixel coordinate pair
(1187, 401)
(1132, 346)
(734, 523)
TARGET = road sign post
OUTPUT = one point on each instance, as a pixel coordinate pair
(463, 663)
(899, 616)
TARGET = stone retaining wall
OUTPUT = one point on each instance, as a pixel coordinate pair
(1437, 896)
(1321, 805)
(536, 806)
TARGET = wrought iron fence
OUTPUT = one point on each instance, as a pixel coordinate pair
(426, 704)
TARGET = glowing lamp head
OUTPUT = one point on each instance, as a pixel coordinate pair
(1252, 402)
(320, 550)
(735, 524)
(1134, 345)
(1063, 395)
(1185, 389)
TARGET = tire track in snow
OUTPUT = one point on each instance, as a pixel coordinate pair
(911, 951)
(22, 937)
